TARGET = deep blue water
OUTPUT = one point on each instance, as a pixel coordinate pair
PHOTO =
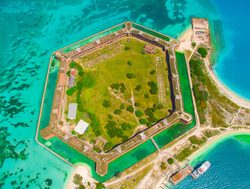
(229, 170)
(31, 30)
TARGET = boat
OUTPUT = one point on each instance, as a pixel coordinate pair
(201, 169)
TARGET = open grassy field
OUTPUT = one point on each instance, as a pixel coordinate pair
(118, 91)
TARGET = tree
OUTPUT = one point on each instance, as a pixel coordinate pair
(123, 87)
(130, 108)
(143, 121)
(193, 44)
(117, 111)
(71, 91)
(138, 88)
(122, 106)
(130, 75)
(170, 161)
(138, 113)
(77, 179)
(115, 86)
(152, 72)
(127, 48)
(99, 186)
(72, 65)
(153, 87)
(129, 63)
(117, 174)
(203, 52)
(106, 103)
(108, 146)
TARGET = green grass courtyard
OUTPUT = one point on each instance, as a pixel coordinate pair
(120, 90)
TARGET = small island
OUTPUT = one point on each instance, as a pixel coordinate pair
(129, 102)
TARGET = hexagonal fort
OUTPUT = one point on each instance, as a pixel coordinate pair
(114, 91)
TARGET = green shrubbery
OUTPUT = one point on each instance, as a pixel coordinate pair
(153, 87)
(108, 146)
(106, 103)
(202, 51)
(138, 113)
(130, 108)
(71, 91)
(130, 75)
(138, 87)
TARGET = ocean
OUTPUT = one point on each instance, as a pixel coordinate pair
(31, 30)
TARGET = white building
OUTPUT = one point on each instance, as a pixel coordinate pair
(81, 127)
(72, 111)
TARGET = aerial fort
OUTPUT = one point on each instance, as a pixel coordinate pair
(115, 91)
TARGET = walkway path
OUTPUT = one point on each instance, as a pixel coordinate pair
(160, 81)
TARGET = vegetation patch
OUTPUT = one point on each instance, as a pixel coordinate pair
(111, 94)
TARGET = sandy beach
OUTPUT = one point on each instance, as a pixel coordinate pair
(225, 90)
(84, 170)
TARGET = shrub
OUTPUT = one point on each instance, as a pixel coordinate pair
(126, 126)
(130, 108)
(153, 91)
(106, 103)
(129, 63)
(137, 104)
(110, 116)
(117, 111)
(77, 179)
(170, 161)
(108, 146)
(143, 121)
(115, 86)
(80, 73)
(68, 73)
(146, 95)
(99, 186)
(153, 87)
(138, 88)
(138, 113)
(152, 72)
(193, 44)
(123, 87)
(130, 75)
(122, 106)
(163, 166)
(71, 91)
(96, 149)
(72, 65)
(127, 48)
(111, 128)
(203, 52)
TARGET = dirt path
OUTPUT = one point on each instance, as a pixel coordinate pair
(160, 81)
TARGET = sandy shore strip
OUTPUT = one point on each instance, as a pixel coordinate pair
(212, 142)
(225, 90)
(185, 39)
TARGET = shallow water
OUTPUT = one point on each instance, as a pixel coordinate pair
(29, 32)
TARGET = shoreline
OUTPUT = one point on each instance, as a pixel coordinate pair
(213, 142)
(229, 93)
(79, 168)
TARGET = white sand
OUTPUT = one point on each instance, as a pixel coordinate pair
(84, 170)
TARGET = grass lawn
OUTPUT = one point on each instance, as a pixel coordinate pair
(120, 91)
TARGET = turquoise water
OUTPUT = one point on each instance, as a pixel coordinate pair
(230, 167)
(233, 65)
(31, 30)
